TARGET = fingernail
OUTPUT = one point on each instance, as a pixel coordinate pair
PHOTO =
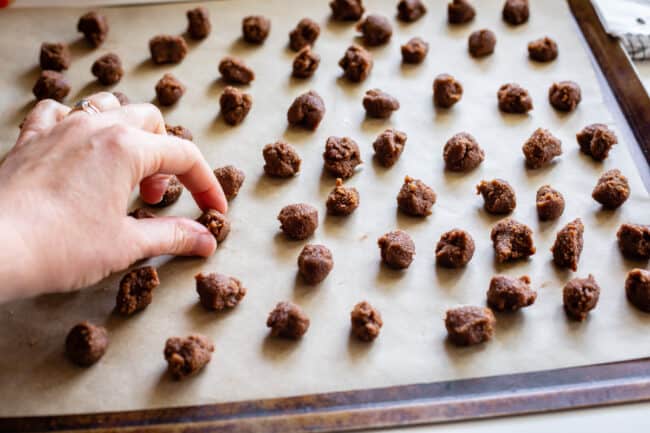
(205, 244)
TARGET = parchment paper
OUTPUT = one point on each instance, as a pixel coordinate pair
(35, 378)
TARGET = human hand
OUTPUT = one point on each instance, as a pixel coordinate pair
(65, 189)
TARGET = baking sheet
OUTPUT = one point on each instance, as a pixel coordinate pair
(35, 378)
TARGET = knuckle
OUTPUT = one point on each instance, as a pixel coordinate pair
(45, 104)
(180, 238)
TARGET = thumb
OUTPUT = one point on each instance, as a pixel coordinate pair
(173, 235)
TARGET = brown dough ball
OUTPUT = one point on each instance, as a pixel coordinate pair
(51, 85)
(235, 71)
(375, 30)
(379, 104)
(124, 100)
(169, 90)
(94, 27)
(341, 156)
(389, 146)
(218, 292)
(347, 10)
(514, 99)
(305, 63)
(540, 149)
(86, 344)
(460, 12)
(179, 131)
(414, 51)
(356, 64)
(217, 223)
(580, 296)
(307, 111)
(455, 249)
(564, 95)
(446, 91)
(549, 202)
(568, 245)
(397, 249)
(198, 23)
(305, 33)
(481, 43)
(498, 195)
(255, 29)
(167, 49)
(510, 294)
(542, 49)
(315, 262)
(235, 105)
(186, 356)
(108, 69)
(342, 201)
(612, 189)
(141, 213)
(287, 320)
(54, 56)
(637, 289)
(298, 221)
(136, 290)
(415, 198)
(596, 140)
(172, 193)
(512, 240)
(410, 10)
(231, 179)
(366, 322)
(634, 241)
(516, 12)
(281, 159)
(462, 153)
(469, 325)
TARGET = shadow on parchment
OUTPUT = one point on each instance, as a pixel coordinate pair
(357, 349)
(387, 278)
(277, 349)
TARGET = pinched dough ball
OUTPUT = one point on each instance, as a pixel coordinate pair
(397, 249)
(637, 289)
(186, 356)
(542, 49)
(415, 50)
(287, 320)
(379, 104)
(514, 99)
(235, 105)
(172, 193)
(549, 203)
(568, 245)
(169, 90)
(410, 10)
(307, 110)
(136, 290)
(179, 131)
(255, 29)
(342, 201)
(580, 296)
(498, 196)
(366, 321)
(469, 325)
(481, 43)
(455, 249)
(124, 100)
(516, 12)
(564, 95)
(235, 71)
(198, 23)
(166, 49)
(305, 33)
(51, 85)
(315, 262)
(446, 91)
(54, 56)
(94, 27)
(356, 63)
(347, 10)
(231, 179)
(141, 213)
(460, 12)
(217, 223)
(510, 294)
(462, 153)
(218, 292)
(540, 149)
(305, 63)
(281, 159)
(512, 240)
(415, 198)
(634, 241)
(612, 189)
(298, 221)
(375, 30)
(596, 140)
(389, 146)
(108, 69)
(341, 156)
(86, 344)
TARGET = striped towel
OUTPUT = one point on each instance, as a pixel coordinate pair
(628, 20)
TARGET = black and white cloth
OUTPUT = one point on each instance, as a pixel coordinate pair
(628, 20)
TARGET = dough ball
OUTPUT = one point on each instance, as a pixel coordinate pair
(124, 100)
(498, 196)
(514, 99)
(634, 241)
(231, 179)
(397, 249)
(469, 325)
(305, 63)
(510, 294)
(516, 12)
(218, 292)
(341, 156)
(342, 201)
(198, 23)
(564, 95)
(580, 296)
(568, 245)
(179, 131)
(51, 85)
(94, 27)
(54, 56)
(356, 64)
(287, 320)
(375, 30)
(481, 43)
(86, 344)
(446, 91)
(315, 262)
(136, 290)
(187, 356)
(389, 146)
(347, 10)
(414, 51)
(281, 160)
(305, 34)
(462, 153)
(235, 105)
(298, 221)
(637, 289)
(255, 29)
(410, 10)
(612, 189)
(365, 321)
(108, 69)
(549, 203)
(307, 111)
(455, 249)
(541, 148)
(415, 198)
(172, 193)
(596, 140)
(460, 12)
(512, 240)
(141, 213)
(542, 49)
(217, 223)
(167, 49)
(379, 104)
(169, 90)
(235, 71)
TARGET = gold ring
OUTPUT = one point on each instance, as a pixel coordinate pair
(86, 106)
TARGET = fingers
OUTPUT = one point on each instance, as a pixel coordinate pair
(142, 116)
(172, 235)
(153, 188)
(104, 101)
(44, 116)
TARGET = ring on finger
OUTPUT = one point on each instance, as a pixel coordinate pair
(86, 106)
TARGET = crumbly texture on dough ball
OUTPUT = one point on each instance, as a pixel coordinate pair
(498, 196)
(169, 90)
(288, 320)
(634, 241)
(356, 63)
(375, 30)
(305, 63)
(347, 10)
(108, 69)
(315, 262)
(580, 295)
(231, 180)
(342, 201)
(596, 140)
(198, 23)
(51, 85)
(172, 193)
(234, 105)
(415, 198)
(410, 10)
(389, 146)
(460, 12)
(94, 27)
(512, 240)
(217, 223)
(124, 100)
(281, 160)
(514, 99)
(179, 131)
(141, 213)
(218, 292)
(462, 153)
(86, 344)
(541, 148)
(397, 249)
(564, 95)
(455, 249)
(379, 104)
(305, 34)
(167, 49)
(568, 245)
(307, 111)
(637, 289)
(341, 156)
(414, 51)
(255, 29)
(298, 221)
(187, 356)
(469, 325)
(549, 203)
(516, 12)
(481, 43)
(136, 290)
(54, 56)
(446, 91)
(543, 49)
(510, 294)
(612, 189)
(234, 71)
(366, 322)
